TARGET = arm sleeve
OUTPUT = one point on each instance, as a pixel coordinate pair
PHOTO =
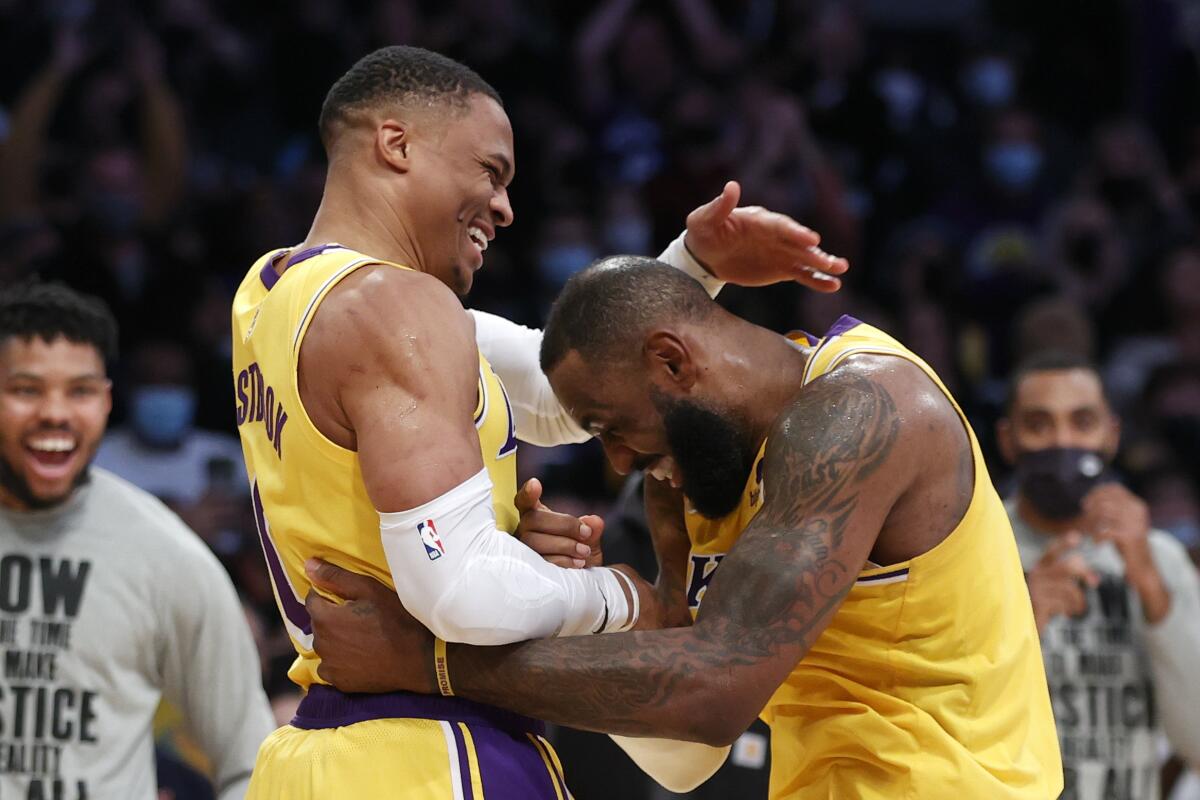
(676, 766)
(211, 669)
(1174, 648)
(468, 581)
(514, 351)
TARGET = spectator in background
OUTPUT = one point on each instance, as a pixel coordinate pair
(198, 473)
(1117, 603)
(109, 602)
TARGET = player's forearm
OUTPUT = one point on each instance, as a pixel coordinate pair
(673, 684)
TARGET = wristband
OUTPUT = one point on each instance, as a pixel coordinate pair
(440, 668)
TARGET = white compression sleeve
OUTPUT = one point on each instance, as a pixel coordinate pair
(468, 581)
(678, 256)
(677, 766)
(513, 351)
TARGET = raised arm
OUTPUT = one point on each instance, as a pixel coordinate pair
(398, 351)
(748, 246)
(833, 471)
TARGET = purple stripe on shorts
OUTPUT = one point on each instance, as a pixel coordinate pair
(464, 763)
(326, 707)
(511, 767)
(544, 746)
(293, 609)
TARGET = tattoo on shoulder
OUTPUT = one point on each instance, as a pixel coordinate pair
(837, 432)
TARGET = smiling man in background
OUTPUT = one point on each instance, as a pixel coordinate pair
(107, 601)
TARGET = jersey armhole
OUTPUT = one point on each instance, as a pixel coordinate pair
(301, 330)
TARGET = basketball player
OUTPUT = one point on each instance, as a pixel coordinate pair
(850, 569)
(377, 436)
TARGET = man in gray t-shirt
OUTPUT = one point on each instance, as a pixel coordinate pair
(1117, 603)
(107, 601)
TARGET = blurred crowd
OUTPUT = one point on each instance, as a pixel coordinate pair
(1005, 177)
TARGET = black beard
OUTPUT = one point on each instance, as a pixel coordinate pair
(714, 452)
(15, 485)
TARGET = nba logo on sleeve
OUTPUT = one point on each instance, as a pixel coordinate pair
(429, 537)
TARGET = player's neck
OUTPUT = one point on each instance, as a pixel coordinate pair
(363, 222)
(775, 379)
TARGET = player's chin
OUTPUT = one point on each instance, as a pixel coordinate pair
(464, 279)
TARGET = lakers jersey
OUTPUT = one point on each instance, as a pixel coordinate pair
(308, 493)
(928, 682)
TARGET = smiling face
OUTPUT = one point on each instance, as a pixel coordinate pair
(644, 421)
(459, 166)
(55, 398)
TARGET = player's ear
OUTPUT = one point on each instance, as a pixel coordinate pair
(392, 144)
(669, 359)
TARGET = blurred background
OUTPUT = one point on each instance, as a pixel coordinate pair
(1003, 176)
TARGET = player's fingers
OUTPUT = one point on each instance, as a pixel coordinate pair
(591, 529)
(549, 545)
(529, 497)
(816, 280)
(817, 259)
(717, 209)
(543, 520)
(316, 605)
(334, 580)
(796, 238)
(567, 562)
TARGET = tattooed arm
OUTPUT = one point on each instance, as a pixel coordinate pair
(837, 461)
(832, 473)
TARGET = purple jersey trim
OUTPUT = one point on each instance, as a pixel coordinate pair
(326, 707)
(844, 323)
(896, 573)
(270, 276)
(293, 609)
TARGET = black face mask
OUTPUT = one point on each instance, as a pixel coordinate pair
(1056, 480)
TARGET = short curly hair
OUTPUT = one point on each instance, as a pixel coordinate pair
(400, 75)
(33, 309)
(605, 311)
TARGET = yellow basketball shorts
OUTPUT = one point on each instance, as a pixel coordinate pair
(401, 745)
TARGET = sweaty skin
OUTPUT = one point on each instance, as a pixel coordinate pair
(869, 461)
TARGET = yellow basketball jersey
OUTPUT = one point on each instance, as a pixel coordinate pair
(928, 682)
(308, 493)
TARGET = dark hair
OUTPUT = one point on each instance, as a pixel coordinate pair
(606, 309)
(398, 75)
(50, 310)
(1050, 361)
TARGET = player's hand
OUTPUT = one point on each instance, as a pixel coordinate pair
(1056, 582)
(752, 246)
(562, 539)
(368, 642)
